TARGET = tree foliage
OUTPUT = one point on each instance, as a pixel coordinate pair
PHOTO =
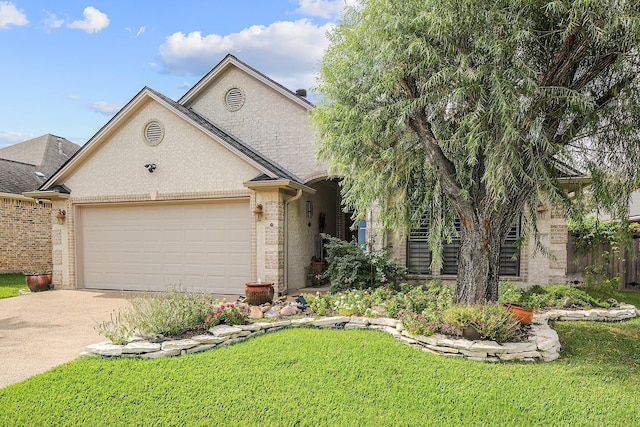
(442, 108)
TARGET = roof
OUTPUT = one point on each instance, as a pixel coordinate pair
(20, 162)
(277, 170)
(232, 60)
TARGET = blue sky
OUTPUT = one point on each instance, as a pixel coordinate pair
(66, 67)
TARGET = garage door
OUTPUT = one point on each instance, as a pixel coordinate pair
(200, 247)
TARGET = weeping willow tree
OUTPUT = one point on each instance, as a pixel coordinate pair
(446, 109)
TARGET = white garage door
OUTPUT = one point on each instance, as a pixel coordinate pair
(200, 247)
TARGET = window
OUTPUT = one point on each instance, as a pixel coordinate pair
(419, 255)
(362, 234)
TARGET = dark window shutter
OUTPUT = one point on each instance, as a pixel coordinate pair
(418, 252)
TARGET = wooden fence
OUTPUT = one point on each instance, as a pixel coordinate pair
(625, 264)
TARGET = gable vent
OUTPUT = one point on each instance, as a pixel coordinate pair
(234, 99)
(153, 133)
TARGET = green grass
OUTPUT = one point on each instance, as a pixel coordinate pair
(301, 377)
(10, 284)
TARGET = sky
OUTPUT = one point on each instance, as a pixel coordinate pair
(66, 67)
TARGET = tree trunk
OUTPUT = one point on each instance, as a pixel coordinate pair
(478, 262)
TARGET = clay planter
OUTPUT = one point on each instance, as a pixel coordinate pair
(258, 293)
(39, 282)
(524, 316)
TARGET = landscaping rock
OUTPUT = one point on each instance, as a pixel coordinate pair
(200, 348)
(138, 347)
(256, 312)
(331, 321)
(281, 323)
(519, 347)
(106, 348)
(160, 354)
(224, 330)
(383, 321)
(490, 347)
(208, 339)
(355, 326)
(303, 321)
(289, 310)
(272, 313)
(179, 345)
(250, 327)
(520, 356)
(359, 320)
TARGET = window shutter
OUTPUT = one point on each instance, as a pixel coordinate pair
(418, 253)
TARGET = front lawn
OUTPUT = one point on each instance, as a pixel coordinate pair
(10, 284)
(328, 377)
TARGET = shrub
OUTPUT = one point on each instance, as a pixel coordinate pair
(167, 313)
(354, 303)
(459, 316)
(319, 303)
(495, 322)
(225, 313)
(349, 267)
(432, 295)
(491, 320)
(508, 292)
(556, 295)
(426, 323)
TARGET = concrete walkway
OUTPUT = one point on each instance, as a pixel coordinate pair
(41, 330)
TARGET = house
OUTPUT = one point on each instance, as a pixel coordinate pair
(206, 193)
(25, 231)
(214, 190)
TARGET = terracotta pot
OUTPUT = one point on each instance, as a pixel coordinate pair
(524, 316)
(39, 282)
(258, 293)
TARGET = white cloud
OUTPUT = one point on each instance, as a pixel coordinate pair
(94, 21)
(52, 22)
(106, 108)
(10, 137)
(141, 30)
(10, 15)
(322, 8)
(73, 97)
(286, 51)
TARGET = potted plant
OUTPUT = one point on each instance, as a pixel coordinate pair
(522, 312)
(315, 272)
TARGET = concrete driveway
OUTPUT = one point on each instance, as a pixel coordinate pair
(41, 330)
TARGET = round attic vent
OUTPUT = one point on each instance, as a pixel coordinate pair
(153, 133)
(234, 99)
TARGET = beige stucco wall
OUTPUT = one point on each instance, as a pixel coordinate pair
(25, 234)
(187, 160)
(268, 121)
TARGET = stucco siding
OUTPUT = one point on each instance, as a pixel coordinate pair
(187, 160)
(269, 122)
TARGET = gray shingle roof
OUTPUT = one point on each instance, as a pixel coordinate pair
(20, 162)
(271, 166)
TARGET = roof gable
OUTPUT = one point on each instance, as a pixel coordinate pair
(232, 61)
(234, 145)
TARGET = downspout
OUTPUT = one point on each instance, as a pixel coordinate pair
(286, 239)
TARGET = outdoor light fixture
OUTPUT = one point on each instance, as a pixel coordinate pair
(61, 216)
(258, 211)
(150, 167)
(309, 209)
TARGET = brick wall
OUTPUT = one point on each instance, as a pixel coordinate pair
(25, 234)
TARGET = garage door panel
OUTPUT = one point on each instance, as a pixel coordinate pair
(204, 247)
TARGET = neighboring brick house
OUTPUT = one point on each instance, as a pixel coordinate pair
(219, 188)
(25, 223)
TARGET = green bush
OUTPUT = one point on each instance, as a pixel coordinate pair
(425, 323)
(417, 299)
(349, 267)
(319, 303)
(495, 322)
(166, 313)
(458, 317)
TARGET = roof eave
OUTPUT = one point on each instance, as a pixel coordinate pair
(278, 184)
(46, 194)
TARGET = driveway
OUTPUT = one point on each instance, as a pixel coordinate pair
(41, 330)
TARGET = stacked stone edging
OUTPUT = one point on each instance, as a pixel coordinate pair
(624, 311)
(543, 343)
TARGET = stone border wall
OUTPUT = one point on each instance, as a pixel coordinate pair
(543, 344)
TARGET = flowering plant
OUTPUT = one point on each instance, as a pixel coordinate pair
(226, 313)
(426, 323)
